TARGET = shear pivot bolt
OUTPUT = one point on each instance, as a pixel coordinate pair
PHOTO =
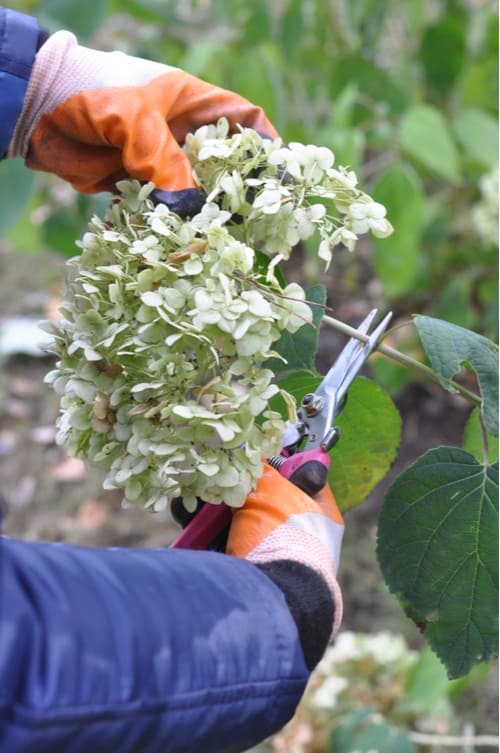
(312, 404)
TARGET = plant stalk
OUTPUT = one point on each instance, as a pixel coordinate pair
(454, 741)
(401, 358)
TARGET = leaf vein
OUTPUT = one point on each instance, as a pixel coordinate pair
(439, 526)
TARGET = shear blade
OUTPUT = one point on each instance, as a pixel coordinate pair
(339, 378)
(351, 359)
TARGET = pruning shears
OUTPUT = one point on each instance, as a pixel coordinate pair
(304, 459)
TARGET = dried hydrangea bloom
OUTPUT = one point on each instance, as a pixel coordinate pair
(168, 323)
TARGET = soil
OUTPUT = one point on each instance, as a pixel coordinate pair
(47, 496)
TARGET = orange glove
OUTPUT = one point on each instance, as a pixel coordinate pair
(280, 522)
(94, 118)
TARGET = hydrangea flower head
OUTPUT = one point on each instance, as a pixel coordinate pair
(168, 323)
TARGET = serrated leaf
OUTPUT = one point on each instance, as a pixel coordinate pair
(370, 429)
(473, 439)
(449, 347)
(438, 551)
(299, 349)
(425, 135)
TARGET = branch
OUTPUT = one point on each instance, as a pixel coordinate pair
(454, 741)
(402, 358)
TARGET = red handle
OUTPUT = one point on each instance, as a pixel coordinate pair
(203, 529)
(308, 470)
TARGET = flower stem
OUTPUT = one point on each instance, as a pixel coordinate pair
(401, 358)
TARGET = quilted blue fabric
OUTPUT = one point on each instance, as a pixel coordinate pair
(18, 43)
(141, 651)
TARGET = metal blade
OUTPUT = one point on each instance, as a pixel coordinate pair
(333, 388)
(291, 436)
(358, 357)
(342, 367)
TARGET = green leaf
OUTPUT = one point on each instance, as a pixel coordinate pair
(438, 550)
(82, 19)
(370, 428)
(427, 684)
(453, 304)
(346, 141)
(426, 137)
(364, 732)
(198, 57)
(261, 267)
(256, 78)
(342, 108)
(61, 230)
(473, 440)
(372, 81)
(25, 235)
(292, 28)
(442, 52)
(449, 347)
(397, 257)
(477, 131)
(257, 27)
(145, 10)
(16, 185)
(392, 376)
(348, 146)
(66, 225)
(479, 85)
(299, 349)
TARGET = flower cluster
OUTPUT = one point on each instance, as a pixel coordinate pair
(167, 323)
(363, 676)
(282, 195)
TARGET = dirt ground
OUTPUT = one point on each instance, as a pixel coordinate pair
(47, 496)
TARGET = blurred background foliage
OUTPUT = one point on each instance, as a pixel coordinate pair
(371, 693)
(404, 92)
(407, 94)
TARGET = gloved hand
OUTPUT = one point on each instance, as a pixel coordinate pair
(279, 523)
(94, 118)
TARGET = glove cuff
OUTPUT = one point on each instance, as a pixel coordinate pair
(61, 68)
(293, 542)
(310, 603)
(64, 68)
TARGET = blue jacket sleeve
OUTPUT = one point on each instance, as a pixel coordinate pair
(150, 651)
(20, 37)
